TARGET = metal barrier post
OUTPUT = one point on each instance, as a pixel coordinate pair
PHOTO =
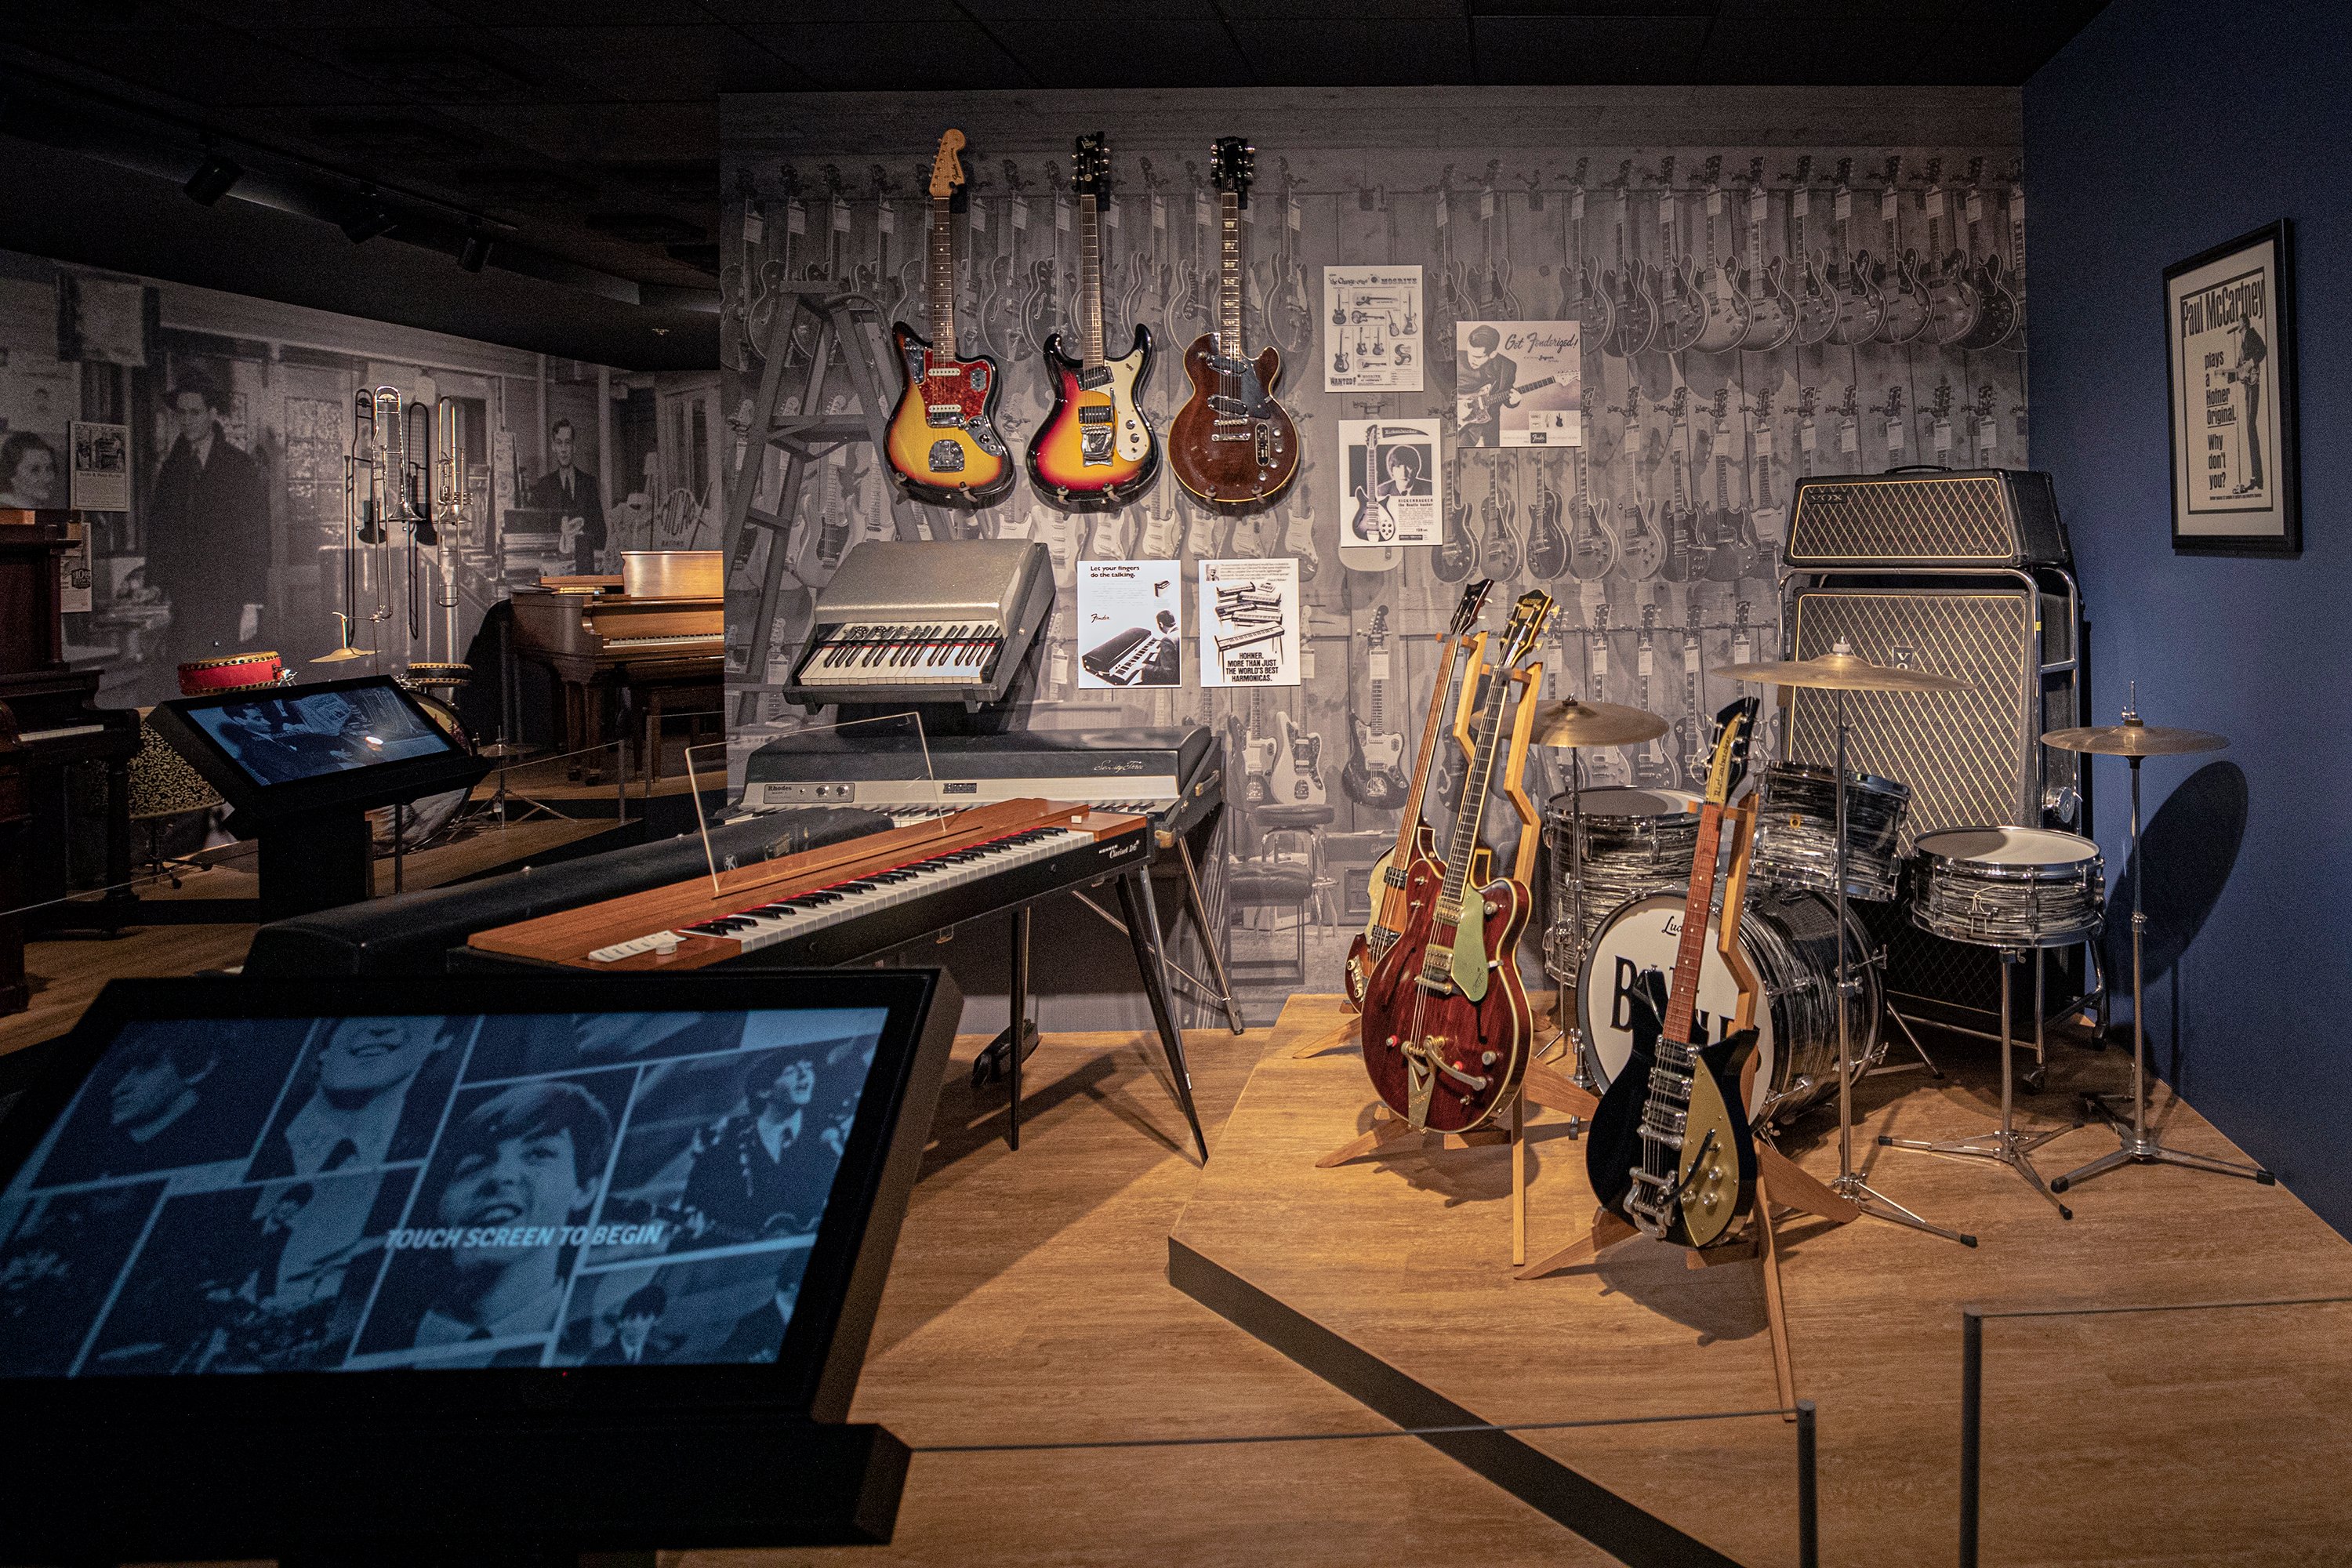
(1971, 1430)
(1809, 1498)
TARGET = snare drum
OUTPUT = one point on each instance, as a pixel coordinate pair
(1796, 830)
(2008, 886)
(1636, 841)
(1790, 940)
(238, 672)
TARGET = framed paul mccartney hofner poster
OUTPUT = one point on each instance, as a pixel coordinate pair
(2229, 336)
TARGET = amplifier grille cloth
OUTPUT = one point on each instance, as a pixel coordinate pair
(1966, 755)
(1935, 518)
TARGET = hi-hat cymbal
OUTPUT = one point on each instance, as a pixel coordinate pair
(1574, 723)
(2133, 738)
(342, 654)
(1840, 671)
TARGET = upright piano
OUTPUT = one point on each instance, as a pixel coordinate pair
(50, 713)
(656, 627)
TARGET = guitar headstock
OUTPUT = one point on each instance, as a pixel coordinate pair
(883, 184)
(1525, 629)
(1942, 404)
(1722, 412)
(1379, 632)
(1472, 606)
(1763, 406)
(1090, 168)
(947, 165)
(1733, 726)
(1233, 165)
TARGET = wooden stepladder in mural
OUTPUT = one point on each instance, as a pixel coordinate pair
(844, 398)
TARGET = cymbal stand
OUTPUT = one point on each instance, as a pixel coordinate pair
(2140, 1144)
(2004, 1145)
(1850, 1184)
(1567, 1023)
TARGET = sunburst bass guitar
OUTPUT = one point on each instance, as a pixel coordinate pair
(1667, 1151)
(1096, 450)
(943, 445)
(1446, 1024)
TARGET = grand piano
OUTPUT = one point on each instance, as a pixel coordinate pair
(48, 718)
(654, 634)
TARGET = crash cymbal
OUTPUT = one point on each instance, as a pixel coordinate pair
(2133, 738)
(342, 654)
(1839, 669)
(1574, 723)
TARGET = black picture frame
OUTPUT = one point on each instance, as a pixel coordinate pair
(2248, 456)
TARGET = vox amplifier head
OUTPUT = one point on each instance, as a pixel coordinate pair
(1957, 518)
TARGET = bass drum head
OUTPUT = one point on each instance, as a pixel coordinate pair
(1627, 801)
(1646, 933)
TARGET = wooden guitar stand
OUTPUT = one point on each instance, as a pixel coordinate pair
(1390, 1134)
(1778, 1180)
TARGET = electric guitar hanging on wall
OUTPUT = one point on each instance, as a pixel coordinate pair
(1096, 450)
(943, 445)
(1232, 444)
(1414, 842)
(1446, 1022)
(1374, 775)
(1667, 1152)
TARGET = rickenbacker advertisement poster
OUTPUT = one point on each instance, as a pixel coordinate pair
(1395, 483)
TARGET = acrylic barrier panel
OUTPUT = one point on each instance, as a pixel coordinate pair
(347, 1194)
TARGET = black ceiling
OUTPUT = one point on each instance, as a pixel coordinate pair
(581, 135)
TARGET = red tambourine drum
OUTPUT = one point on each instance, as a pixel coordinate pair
(206, 677)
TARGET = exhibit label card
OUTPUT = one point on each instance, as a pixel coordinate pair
(1371, 329)
(1403, 502)
(1517, 383)
(1130, 624)
(1250, 614)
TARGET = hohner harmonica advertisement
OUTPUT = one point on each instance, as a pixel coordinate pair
(1130, 624)
(1249, 623)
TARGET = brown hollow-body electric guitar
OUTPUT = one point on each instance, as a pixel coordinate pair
(1232, 445)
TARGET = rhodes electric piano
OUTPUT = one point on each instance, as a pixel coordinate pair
(51, 709)
(655, 629)
(866, 897)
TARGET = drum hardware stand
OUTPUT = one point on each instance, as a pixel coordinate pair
(2140, 1144)
(504, 750)
(1850, 1184)
(2004, 1145)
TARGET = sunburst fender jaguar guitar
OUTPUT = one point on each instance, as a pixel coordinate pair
(1447, 1023)
(1667, 1152)
(1391, 873)
(943, 445)
(1096, 450)
(1232, 445)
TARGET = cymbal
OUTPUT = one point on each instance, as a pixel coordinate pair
(1574, 723)
(1839, 672)
(342, 654)
(2133, 738)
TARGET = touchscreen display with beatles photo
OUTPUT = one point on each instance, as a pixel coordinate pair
(271, 1193)
(309, 734)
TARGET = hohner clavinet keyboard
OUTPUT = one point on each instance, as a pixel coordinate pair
(867, 896)
(946, 622)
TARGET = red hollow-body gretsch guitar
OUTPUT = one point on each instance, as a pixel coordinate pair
(1232, 445)
(1096, 450)
(1447, 1023)
(943, 445)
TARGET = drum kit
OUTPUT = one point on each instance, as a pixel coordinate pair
(1825, 836)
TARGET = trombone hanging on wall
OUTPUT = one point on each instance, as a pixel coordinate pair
(450, 510)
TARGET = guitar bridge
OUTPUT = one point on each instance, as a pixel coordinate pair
(944, 416)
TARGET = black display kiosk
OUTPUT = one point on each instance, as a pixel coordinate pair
(516, 1272)
(305, 764)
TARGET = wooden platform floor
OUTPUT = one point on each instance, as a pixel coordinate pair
(2179, 1438)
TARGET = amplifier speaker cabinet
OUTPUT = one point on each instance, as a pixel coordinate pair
(1971, 758)
(1956, 519)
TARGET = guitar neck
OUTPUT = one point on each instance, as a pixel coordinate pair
(943, 335)
(1682, 1003)
(1468, 815)
(1090, 278)
(1229, 288)
(1430, 729)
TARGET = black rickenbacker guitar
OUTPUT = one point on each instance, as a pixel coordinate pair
(1667, 1151)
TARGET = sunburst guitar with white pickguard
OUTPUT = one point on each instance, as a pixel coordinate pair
(1096, 450)
(943, 444)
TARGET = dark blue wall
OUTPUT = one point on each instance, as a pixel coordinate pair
(2167, 127)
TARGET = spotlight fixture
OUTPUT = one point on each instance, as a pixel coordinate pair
(213, 179)
(367, 220)
(477, 250)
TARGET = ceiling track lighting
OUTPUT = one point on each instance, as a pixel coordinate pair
(213, 179)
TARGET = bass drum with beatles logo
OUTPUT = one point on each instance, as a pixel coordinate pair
(1790, 939)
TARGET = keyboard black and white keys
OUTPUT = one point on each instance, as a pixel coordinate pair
(940, 622)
